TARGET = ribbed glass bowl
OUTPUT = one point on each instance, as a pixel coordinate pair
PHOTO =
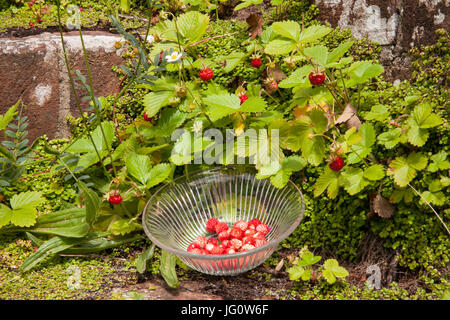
(177, 214)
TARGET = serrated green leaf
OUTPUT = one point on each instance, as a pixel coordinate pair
(360, 150)
(5, 215)
(319, 121)
(439, 162)
(374, 172)
(328, 180)
(123, 227)
(158, 174)
(6, 118)
(332, 270)
(420, 120)
(308, 259)
(390, 138)
(378, 112)
(192, 25)
(154, 101)
(287, 29)
(319, 54)
(295, 272)
(138, 166)
(297, 78)
(313, 33)
(253, 104)
(353, 180)
(337, 53)
(280, 46)
(404, 170)
(25, 199)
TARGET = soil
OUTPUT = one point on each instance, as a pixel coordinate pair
(261, 283)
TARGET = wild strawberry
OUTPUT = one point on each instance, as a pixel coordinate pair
(146, 117)
(196, 251)
(193, 246)
(262, 228)
(243, 98)
(115, 197)
(213, 241)
(31, 24)
(225, 243)
(236, 233)
(223, 236)
(337, 164)
(209, 246)
(259, 236)
(241, 225)
(248, 240)
(211, 224)
(236, 244)
(205, 252)
(253, 223)
(206, 74)
(247, 247)
(249, 232)
(271, 84)
(316, 78)
(256, 62)
(201, 241)
(217, 250)
(161, 56)
(221, 227)
(230, 251)
(259, 243)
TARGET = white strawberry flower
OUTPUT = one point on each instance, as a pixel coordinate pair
(150, 39)
(174, 56)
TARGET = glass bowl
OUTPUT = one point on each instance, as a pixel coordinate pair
(177, 214)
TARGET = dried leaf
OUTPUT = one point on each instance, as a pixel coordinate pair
(255, 22)
(349, 117)
(382, 207)
(279, 265)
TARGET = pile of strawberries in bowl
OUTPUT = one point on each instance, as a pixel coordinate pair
(243, 236)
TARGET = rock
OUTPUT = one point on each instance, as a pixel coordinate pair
(397, 25)
(33, 69)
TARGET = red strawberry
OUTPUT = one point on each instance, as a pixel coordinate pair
(230, 251)
(201, 241)
(161, 55)
(253, 223)
(243, 98)
(205, 252)
(337, 164)
(146, 117)
(217, 250)
(224, 236)
(248, 240)
(225, 243)
(209, 246)
(221, 227)
(260, 243)
(241, 225)
(211, 224)
(196, 251)
(249, 232)
(259, 236)
(247, 247)
(193, 246)
(115, 199)
(31, 24)
(213, 241)
(262, 228)
(236, 233)
(206, 74)
(256, 62)
(317, 78)
(236, 244)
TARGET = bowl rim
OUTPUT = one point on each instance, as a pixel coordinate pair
(185, 254)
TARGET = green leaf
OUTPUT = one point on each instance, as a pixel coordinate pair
(232, 60)
(390, 138)
(6, 118)
(313, 33)
(420, 120)
(308, 259)
(181, 152)
(378, 112)
(293, 163)
(138, 166)
(374, 172)
(295, 272)
(167, 268)
(92, 202)
(439, 162)
(353, 180)
(362, 71)
(154, 101)
(23, 208)
(144, 258)
(332, 270)
(328, 180)
(192, 25)
(281, 178)
(222, 105)
(319, 121)
(254, 104)
(85, 144)
(363, 148)
(337, 53)
(287, 29)
(280, 46)
(318, 53)
(159, 173)
(5, 215)
(297, 78)
(66, 223)
(123, 227)
(25, 199)
(404, 170)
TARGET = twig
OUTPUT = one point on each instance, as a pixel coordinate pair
(132, 17)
